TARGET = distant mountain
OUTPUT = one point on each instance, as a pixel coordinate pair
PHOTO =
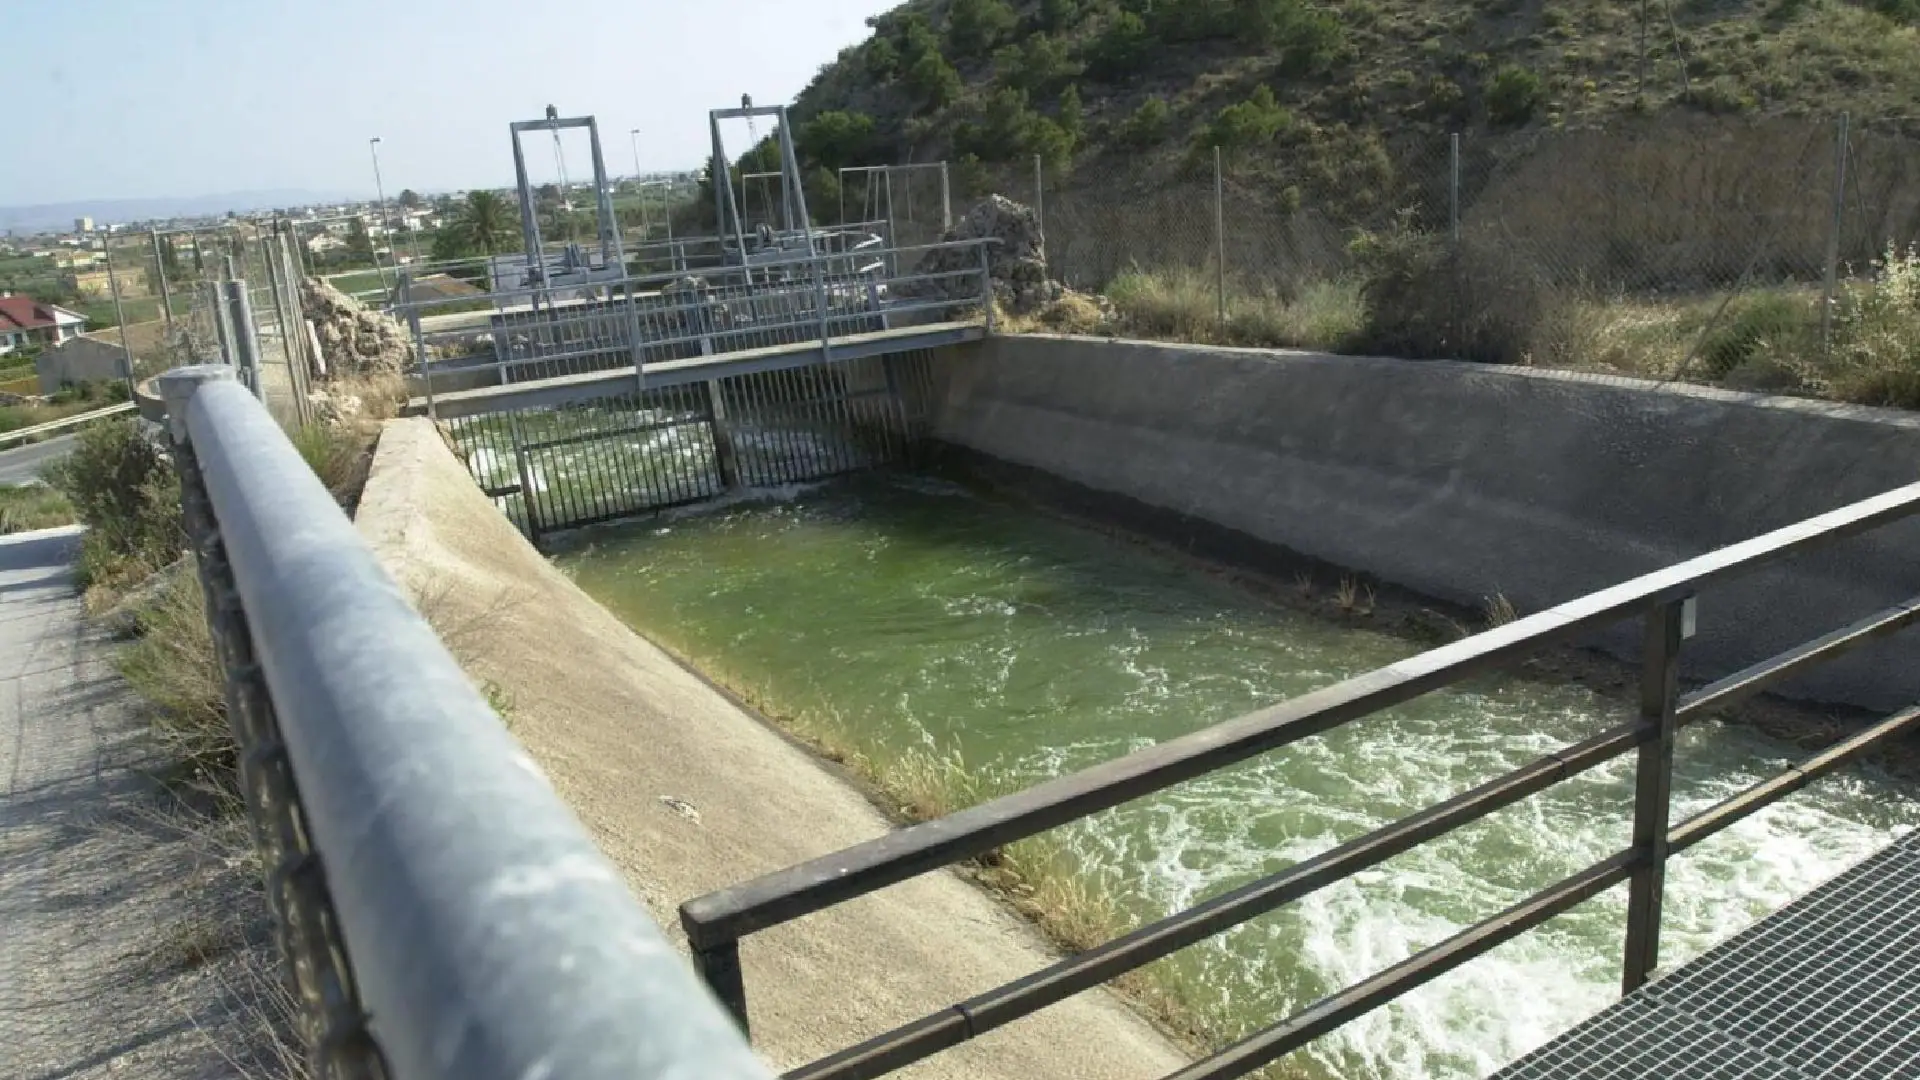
(61, 215)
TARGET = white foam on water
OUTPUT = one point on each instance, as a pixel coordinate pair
(1228, 828)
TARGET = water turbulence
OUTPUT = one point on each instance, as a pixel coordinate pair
(905, 615)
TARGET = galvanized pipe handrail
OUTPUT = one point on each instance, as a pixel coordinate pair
(665, 277)
(487, 936)
(716, 922)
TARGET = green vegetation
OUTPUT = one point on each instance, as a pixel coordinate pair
(129, 499)
(23, 509)
(1394, 74)
(14, 417)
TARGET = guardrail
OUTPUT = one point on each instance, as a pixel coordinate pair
(442, 914)
(63, 423)
(715, 923)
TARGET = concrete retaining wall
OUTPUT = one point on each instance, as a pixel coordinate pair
(1458, 481)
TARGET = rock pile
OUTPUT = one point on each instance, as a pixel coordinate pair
(1016, 264)
(354, 340)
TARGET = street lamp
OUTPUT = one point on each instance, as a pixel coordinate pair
(373, 147)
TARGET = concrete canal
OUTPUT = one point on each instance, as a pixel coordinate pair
(909, 620)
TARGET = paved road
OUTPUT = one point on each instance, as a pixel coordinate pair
(23, 465)
(97, 877)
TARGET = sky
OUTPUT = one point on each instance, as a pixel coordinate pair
(172, 98)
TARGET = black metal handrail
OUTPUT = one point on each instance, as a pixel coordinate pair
(716, 922)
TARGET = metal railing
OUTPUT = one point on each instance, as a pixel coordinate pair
(632, 323)
(65, 422)
(441, 913)
(716, 922)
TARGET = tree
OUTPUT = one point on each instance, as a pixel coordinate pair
(933, 81)
(359, 244)
(837, 139)
(1512, 95)
(1121, 48)
(1037, 66)
(1243, 126)
(410, 199)
(974, 27)
(1073, 117)
(1058, 15)
(483, 226)
(1148, 124)
(882, 59)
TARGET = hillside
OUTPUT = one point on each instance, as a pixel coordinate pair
(1323, 94)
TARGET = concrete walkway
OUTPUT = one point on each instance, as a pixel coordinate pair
(106, 963)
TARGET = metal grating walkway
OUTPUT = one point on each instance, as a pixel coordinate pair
(1828, 986)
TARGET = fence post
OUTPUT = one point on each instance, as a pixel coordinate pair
(160, 271)
(1833, 235)
(1667, 625)
(222, 323)
(1220, 239)
(986, 284)
(246, 343)
(1040, 207)
(1453, 186)
(946, 202)
(271, 253)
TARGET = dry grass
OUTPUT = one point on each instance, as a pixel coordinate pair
(1183, 304)
(23, 509)
(1499, 610)
(1355, 597)
(1039, 876)
(173, 665)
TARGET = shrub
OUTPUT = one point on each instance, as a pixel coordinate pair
(1120, 48)
(1036, 66)
(974, 27)
(1875, 354)
(1073, 115)
(837, 139)
(881, 59)
(1058, 15)
(129, 499)
(1148, 124)
(933, 81)
(23, 509)
(1766, 323)
(1905, 11)
(1512, 95)
(1428, 299)
(1313, 42)
(1244, 125)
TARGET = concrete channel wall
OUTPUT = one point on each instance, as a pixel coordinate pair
(1459, 481)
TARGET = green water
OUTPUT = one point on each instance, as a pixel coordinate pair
(926, 617)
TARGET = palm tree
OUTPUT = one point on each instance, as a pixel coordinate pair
(485, 222)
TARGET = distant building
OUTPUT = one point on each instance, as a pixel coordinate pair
(82, 360)
(25, 321)
(98, 284)
(83, 224)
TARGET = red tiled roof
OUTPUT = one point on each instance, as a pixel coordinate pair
(24, 313)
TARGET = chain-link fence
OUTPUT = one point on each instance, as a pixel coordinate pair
(248, 312)
(1695, 246)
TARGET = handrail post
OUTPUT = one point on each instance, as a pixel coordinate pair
(986, 282)
(719, 967)
(1667, 625)
(246, 345)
